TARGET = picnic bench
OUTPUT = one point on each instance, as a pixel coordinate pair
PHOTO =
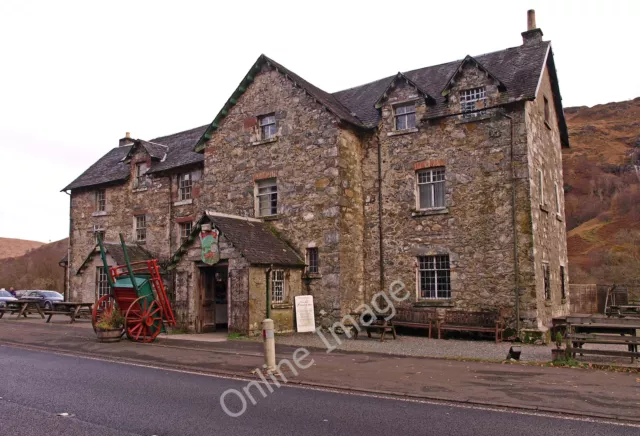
(417, 318)
(483, 321)
(71, 309)
(378, 325)
(611, 331)
(23, 307)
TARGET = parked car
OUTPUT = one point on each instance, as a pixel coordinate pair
(47, 298)
(6, 296)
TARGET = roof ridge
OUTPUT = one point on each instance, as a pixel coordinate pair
(178, 133)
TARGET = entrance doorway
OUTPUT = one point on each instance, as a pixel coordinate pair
(214, 298)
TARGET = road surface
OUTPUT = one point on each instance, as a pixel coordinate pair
(107, 398)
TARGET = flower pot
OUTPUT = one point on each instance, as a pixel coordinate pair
(558, 354)
(113, 335)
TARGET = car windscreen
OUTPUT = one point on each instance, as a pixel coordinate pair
(51, 294)
(5, 294)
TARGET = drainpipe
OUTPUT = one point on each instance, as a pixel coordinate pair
(267, 275)
(514, 222)
(380, 233)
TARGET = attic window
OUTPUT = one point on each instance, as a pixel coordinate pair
(267, 126)
(471, 100)
(405, 116)
(141, 178)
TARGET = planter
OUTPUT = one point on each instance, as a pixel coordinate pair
(558, 354)
(113, 335)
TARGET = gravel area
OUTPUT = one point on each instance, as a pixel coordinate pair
(449, 348)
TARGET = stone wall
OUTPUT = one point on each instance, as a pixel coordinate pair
(307, 158)
(548, 219)
(157, 199)
(475, 228)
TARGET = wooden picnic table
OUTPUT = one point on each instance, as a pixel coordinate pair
(615, 331)
(68, 308)
(24, 306)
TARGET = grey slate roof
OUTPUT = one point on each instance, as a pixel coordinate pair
(257, 243)
(110, 168)
(136, 253)
(252, 238)
(518, 68)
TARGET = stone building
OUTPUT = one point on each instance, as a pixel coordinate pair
(448, 178)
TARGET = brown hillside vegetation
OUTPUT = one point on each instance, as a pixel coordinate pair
(602, 192)
(16, 247)
(38, 269)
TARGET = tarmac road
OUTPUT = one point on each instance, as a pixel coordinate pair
(106, 398)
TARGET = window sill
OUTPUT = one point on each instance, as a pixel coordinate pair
(563, 301)
(269, 218)
(312, 276)
(281, 305)
(402, 132)
(544, 208)
(472, 119)
(139, 189)
(183, 202)
(264, 141)
(141, 242)
(548, 303)
(433, 303)
(559, 218)
(100, 213)
(546, 123)
(428, 212)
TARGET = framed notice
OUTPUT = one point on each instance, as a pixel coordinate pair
(305, 319)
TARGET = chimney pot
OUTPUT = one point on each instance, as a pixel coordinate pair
(531, 19)
(126, 140)
(128, 134)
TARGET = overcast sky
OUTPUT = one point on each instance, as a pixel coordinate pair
(75, 76)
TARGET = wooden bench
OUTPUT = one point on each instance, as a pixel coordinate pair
(485, 321)
(609, 331)
(416, 318)
(381, 326)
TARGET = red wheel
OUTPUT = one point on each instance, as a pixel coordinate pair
(102, 309)
(143, 321)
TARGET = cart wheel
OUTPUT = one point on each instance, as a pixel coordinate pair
(143, 321)
(103, 307)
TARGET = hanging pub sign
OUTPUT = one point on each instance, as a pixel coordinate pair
(209, 238)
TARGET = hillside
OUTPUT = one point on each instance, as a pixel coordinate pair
(16, 247)
(602, 191)
(38, 269)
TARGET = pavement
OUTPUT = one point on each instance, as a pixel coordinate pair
(569, 391)
(58, 395)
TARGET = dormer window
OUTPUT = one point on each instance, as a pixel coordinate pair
(141, 171)
(267, 126)
(405, 116)
(472, 99)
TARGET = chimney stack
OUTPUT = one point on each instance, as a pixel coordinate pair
(126, 140)
(533, 35)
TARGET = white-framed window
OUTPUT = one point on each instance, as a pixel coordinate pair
(430, 188)
(101, 200)
(277, 286)
(141, 178)
(141, 228)
(405, 116)
(185, 231)
(313, 261)
(547, 281)
(266, 197)
(541, 186)
(184, 186)
(434, 277)
(102, 284)
(558, 210)
(472, 99)
(267, 125)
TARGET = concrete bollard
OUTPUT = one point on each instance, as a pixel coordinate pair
(269, 345)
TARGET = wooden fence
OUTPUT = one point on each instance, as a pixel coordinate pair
(591, 298)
